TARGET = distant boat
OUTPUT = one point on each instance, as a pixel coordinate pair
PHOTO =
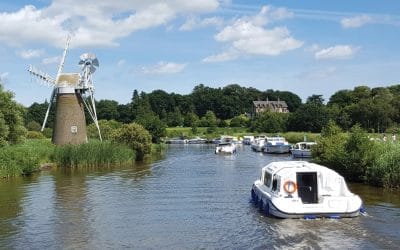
(176, 141)
(248, 139)
(225, 148)
(300, 189)
(302, 149)
(258, 143)
(276, 145)
(197, 140)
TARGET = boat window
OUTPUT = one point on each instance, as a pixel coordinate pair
(267, 179)
(274, 184)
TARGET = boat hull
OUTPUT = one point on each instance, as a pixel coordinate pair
(298, 153)
(277, 149)
(267, 204)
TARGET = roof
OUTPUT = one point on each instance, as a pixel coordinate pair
(270, 104)
(294, 166)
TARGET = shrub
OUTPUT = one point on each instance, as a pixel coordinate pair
(34, 135)
(136, 137)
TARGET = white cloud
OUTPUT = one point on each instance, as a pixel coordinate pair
(222, 57)
(164, 68)
(356, 21)
(248, 35)
(93, 22)
(3, 77)
(195, 22)
(51, 60)
(121, 62)
(336, 52)
(30, 53)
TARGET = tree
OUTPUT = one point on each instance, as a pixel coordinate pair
(107, 110)
(12, 128)
(136, 137)
(270, 122)
(311, 116)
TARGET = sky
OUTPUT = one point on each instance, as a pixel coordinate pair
(306, 47)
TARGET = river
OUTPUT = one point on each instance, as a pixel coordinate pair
(189, 199)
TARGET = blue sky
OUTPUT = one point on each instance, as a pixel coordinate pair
(306, 47)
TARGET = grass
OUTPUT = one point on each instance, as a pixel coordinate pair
(24, 159)
(94, 153)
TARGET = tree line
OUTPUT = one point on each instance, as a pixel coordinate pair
(375, 109)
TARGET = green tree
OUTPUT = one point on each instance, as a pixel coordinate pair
(12, 128)
(270, 122)
(107, 110)
(136, 137)
(311, 116)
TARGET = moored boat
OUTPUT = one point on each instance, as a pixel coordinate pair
(225, 148)
(302, 149)
(258, 144)
(276, 145)
(299, 189)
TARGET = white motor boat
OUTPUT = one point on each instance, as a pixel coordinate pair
(302, 149)
(258, 144)
(299, 189)
(248, 139)
(225, 148)
(276, 145)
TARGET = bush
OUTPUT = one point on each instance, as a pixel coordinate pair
(107, 128)
(359, 154)
(136, 137)
(330, 148)
(34, 135)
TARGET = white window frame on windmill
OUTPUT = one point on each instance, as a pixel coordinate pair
(74, 129)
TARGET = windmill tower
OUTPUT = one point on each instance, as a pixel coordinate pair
(72, 92)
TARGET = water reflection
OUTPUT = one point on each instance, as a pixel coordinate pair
(192, 198)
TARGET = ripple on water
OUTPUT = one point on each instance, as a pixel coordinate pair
(191, 199)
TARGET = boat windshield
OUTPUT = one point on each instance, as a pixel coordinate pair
(267, 179)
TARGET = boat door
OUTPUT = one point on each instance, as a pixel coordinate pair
(307, 187)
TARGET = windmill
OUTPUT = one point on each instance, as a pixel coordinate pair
(72, 92)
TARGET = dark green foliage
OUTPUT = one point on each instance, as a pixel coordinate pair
(107, 110)
(270, 122)
(37, 111)
(312, 117)
(134, 136)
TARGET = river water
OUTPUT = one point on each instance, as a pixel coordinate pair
(189, 199)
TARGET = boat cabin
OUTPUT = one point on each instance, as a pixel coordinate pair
(306, 181)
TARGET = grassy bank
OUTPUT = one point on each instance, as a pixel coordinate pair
(26, 158)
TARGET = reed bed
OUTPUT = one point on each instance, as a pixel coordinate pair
(93, 154)
(24, 159)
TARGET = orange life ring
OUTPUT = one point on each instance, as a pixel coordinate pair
(290, 186)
